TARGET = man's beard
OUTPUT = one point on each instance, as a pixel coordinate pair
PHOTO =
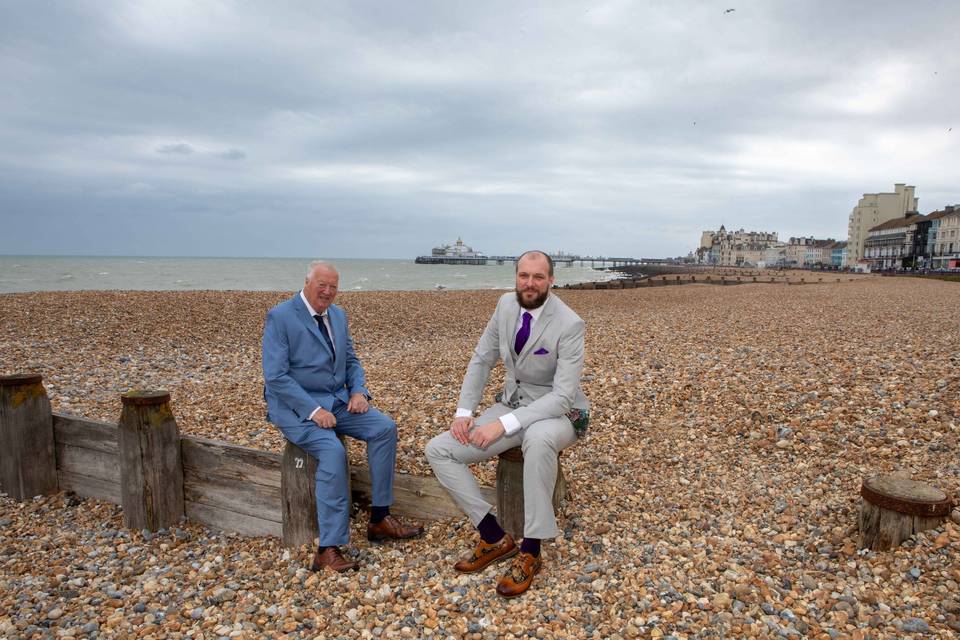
(537, 302)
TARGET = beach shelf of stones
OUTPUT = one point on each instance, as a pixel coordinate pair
(159, 477)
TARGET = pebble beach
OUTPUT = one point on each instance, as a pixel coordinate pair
(714, 496)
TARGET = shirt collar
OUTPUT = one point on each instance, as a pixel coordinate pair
(534, 313)
(310, 309)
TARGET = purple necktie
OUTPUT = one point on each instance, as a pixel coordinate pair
(523, 334)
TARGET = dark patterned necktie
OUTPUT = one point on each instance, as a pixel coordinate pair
(326, 334)
(523, 334)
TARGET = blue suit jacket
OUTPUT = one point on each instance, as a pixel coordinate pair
(299, 370)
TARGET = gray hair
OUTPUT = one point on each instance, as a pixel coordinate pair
(317, 264)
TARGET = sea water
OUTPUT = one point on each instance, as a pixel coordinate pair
(71, 273)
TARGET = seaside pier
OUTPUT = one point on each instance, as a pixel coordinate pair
(559, 260)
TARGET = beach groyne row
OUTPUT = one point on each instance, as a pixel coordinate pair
(714, 279)
(159, 476)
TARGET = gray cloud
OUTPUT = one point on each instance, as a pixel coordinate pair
(181, 148)
(232, 154)
(382, 129)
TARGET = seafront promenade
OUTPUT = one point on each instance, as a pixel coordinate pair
(714, 496)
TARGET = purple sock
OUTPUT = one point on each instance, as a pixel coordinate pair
(531, 546)
(489, 529)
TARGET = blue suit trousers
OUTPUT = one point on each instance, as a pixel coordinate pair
(333, 501)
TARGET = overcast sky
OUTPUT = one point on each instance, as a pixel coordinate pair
(381, 129)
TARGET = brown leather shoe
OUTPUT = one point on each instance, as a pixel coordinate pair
(332, 559)
(519, 576)
(391, 528)
(485, 553)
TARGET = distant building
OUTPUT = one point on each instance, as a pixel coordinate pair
(872, 210)
(889, 245)
(455, 250)
(838, 254)
(807, 252)
(734, 248)
(915, 242)
(945, 243)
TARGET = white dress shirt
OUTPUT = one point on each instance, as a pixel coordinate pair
(509, 421)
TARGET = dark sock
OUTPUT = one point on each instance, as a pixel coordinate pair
(321, 548)
(490, 529)
(531, 546)
(377, 514)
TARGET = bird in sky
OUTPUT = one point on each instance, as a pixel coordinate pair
(729, 10)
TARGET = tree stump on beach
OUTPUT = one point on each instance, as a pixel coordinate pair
(893, 509)
(298, 492)
(151, 469)
(28, 461)
(510, 490)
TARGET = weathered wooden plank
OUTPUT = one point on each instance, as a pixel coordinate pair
(414, 496)
(240, 464)
(89, 434)
(88, 462)
(89, 487)
(250, 498)
(226, 520)
(28, 463)
(151, 471)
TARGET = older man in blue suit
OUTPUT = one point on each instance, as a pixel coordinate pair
(315, 390)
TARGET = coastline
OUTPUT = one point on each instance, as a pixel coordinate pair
(732, 426)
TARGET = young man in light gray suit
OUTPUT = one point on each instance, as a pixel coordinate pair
(316, 390)
(540, 340)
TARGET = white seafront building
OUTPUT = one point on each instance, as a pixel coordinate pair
(874, 209)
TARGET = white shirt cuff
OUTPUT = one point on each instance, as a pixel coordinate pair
(314, 412)
(463, 413)
(510, 423)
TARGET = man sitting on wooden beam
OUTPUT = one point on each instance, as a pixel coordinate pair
(541, 409)
(315, 390)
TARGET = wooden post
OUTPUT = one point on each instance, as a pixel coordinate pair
(298, 491)
(151, 471)
(893, 509)
(510, 490)
(28, 460)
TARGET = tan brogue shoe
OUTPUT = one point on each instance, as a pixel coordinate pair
(485, 553)
(520, 575)
(331, 559)
(392, 529)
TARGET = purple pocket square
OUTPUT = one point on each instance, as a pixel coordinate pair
(540, 352)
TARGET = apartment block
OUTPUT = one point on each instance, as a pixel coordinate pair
(874, 209)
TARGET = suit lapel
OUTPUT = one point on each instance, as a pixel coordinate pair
(508, 325)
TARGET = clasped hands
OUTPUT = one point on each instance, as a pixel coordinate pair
(465, 431)
(357, 404)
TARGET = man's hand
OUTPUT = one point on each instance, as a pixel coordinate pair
(460, 429)
(485, 435)
(358, 403)
(324, 418)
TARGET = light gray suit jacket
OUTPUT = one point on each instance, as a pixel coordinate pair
(543, 381)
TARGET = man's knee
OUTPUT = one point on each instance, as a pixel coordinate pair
(536, 443)
(435, 449)
(384, 429)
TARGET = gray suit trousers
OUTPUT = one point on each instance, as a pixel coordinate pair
(540, 441)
